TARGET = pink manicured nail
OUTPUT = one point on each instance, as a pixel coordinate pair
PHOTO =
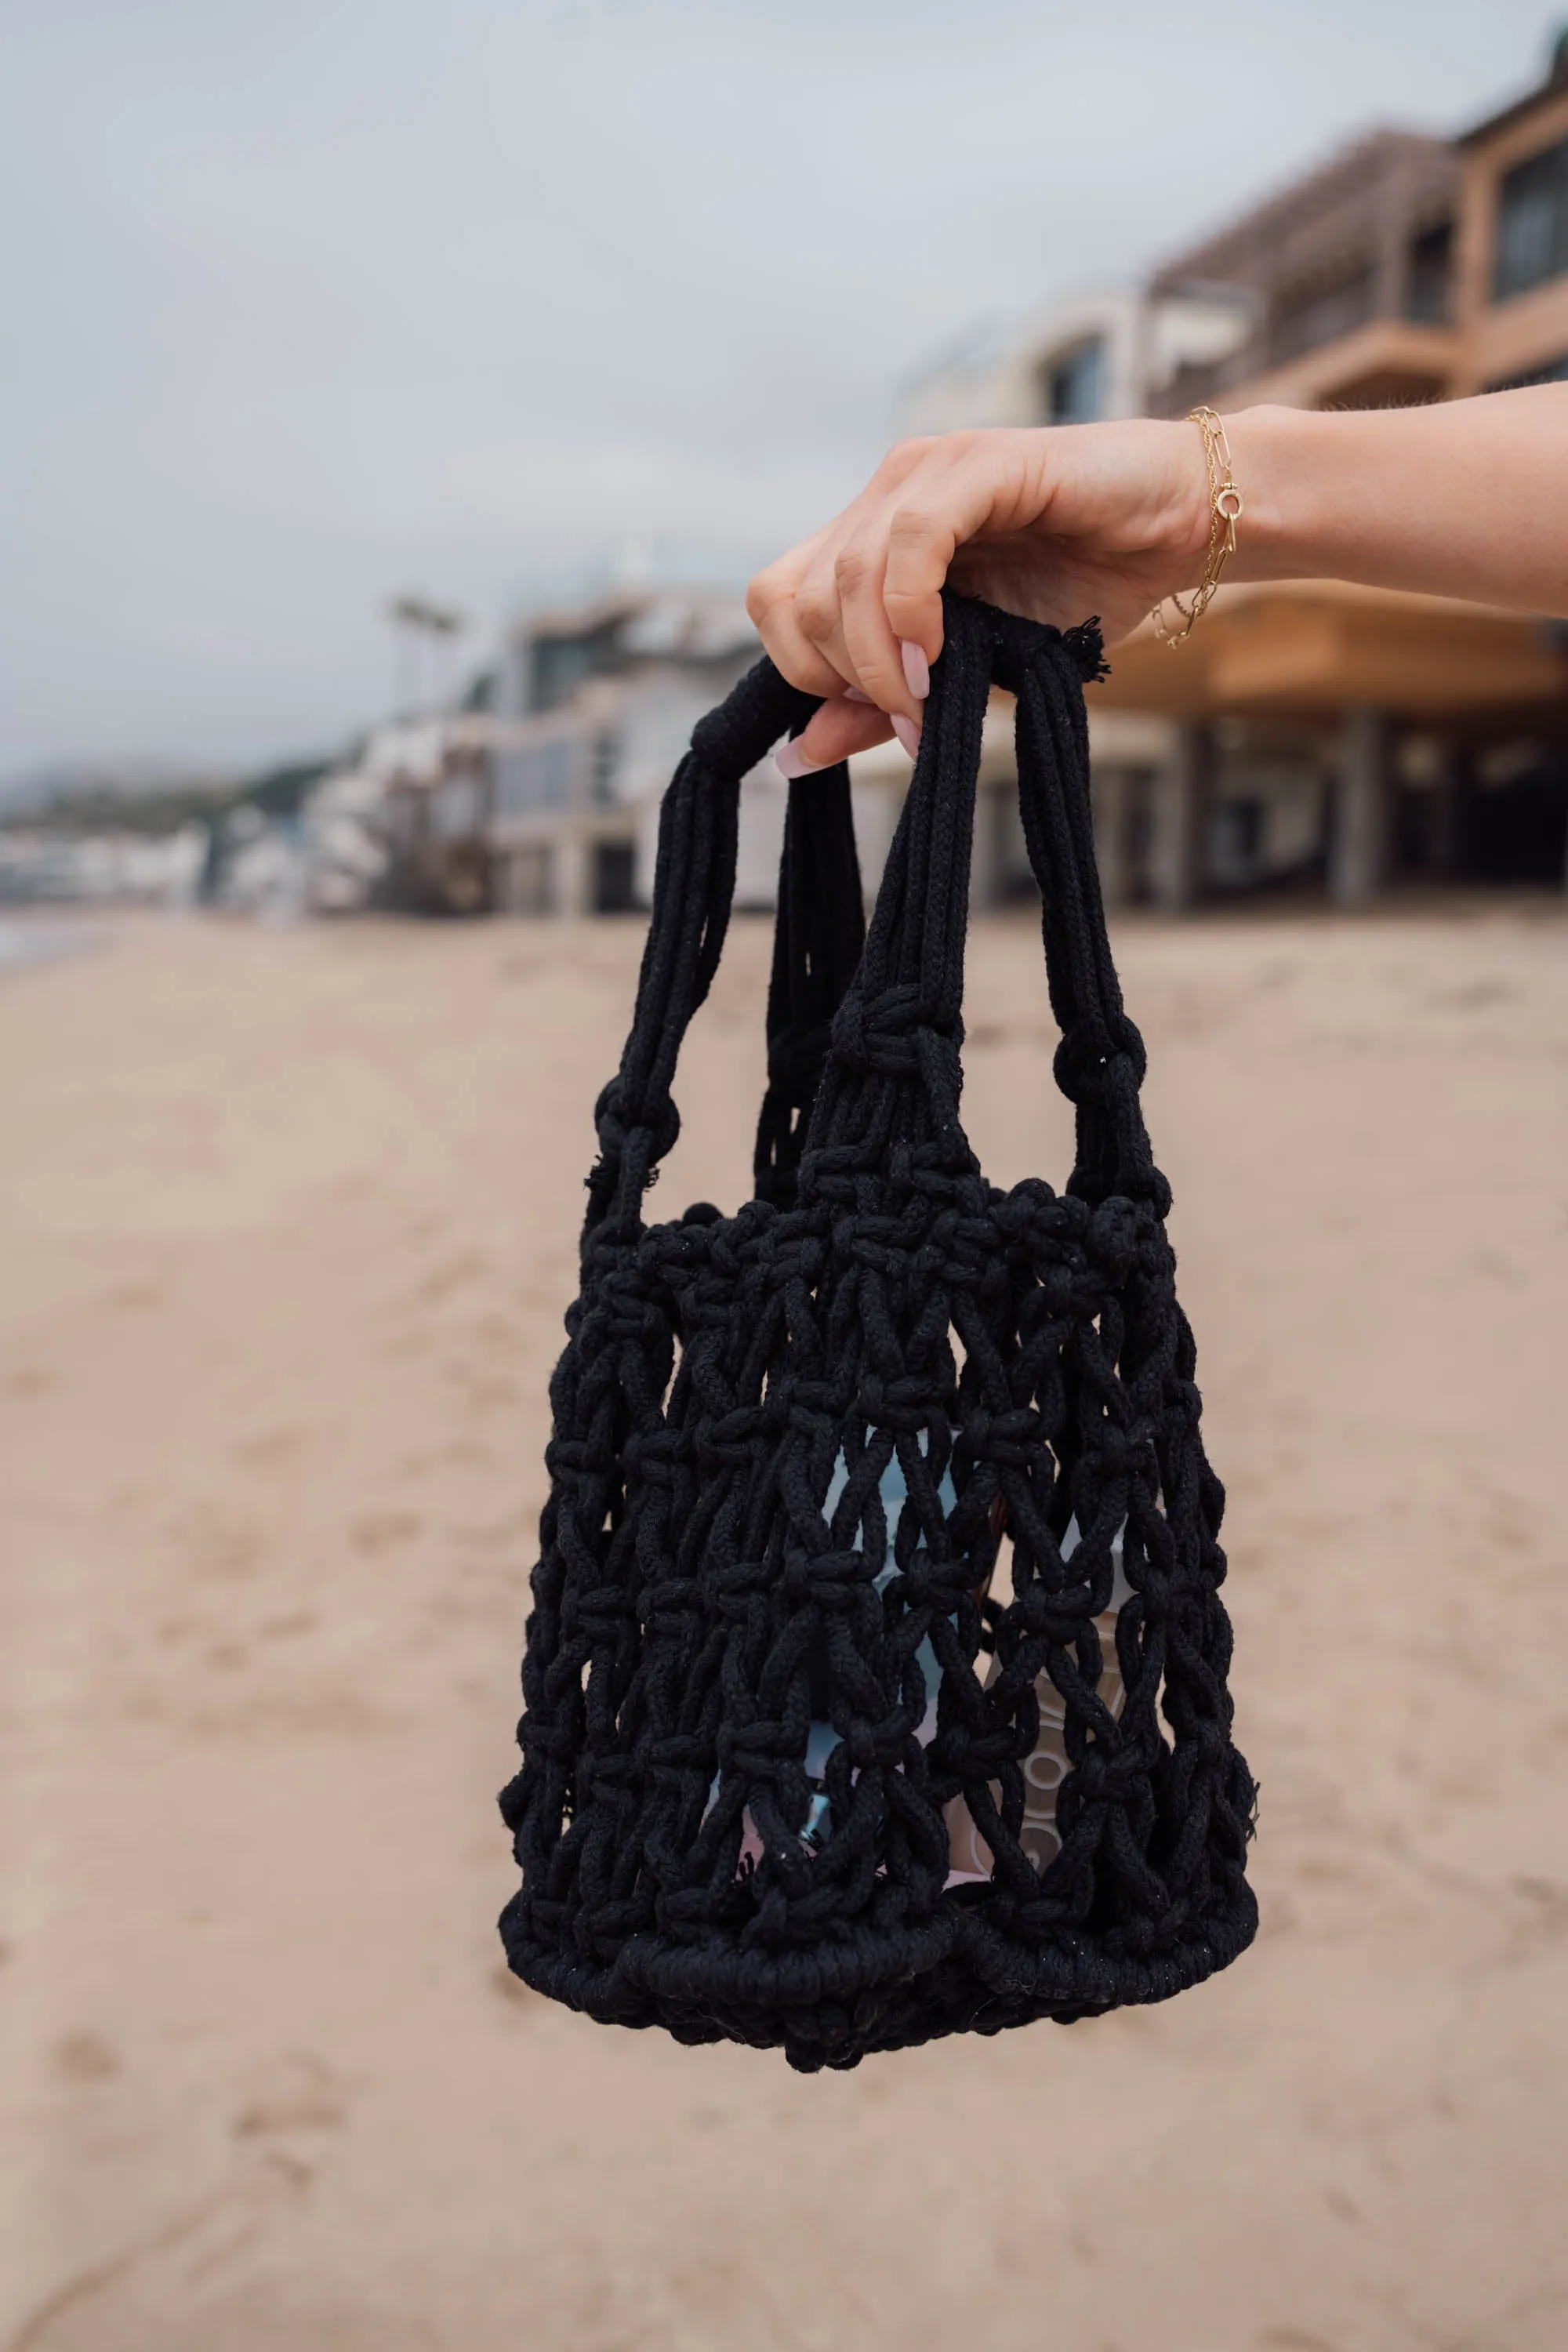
(908, 733)
(916, 669)
(853, 694)
(791, 761)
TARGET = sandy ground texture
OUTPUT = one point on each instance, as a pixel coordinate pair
(289, 1229)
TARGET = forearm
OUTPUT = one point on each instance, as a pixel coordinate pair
(1467, 499)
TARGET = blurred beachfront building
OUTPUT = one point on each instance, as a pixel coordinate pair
(1310, 737)
(100, 867)
(541, 796)
(1312, 734)
(1102, 354)
(599, 702)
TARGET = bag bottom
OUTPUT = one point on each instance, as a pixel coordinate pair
(955, 1974)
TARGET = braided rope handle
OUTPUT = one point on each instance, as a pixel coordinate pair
(693, 889)
(1101, 1062)
(902, 1019)
(818, 943)
(895, 1009)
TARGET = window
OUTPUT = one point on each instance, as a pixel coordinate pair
(602, 776)
(536, 776)
(1237, 830)
(1533, 223)
(557, 767)
(559, 665)
(455, 808)
(1427, 277)
(516, 782)
(1071, 383)
(615, 874)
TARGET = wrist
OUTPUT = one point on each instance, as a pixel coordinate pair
(1182, 539)
(1272, 457)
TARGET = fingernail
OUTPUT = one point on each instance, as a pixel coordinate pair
(791, 761)
(908, 733)
(916, 669)
(853, 694)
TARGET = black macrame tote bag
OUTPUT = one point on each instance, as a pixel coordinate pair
(874, 1684)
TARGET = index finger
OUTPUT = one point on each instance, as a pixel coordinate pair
(943, 504)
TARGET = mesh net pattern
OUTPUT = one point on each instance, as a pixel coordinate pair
(732, 1395)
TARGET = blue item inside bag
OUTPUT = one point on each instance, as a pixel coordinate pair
(822, 1739)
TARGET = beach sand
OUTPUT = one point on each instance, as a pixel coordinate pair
(289, 1230)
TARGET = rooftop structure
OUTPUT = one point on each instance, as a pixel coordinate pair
(1347, 278)
(1407, 268)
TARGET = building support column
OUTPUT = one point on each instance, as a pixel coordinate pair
(1175, 821)
(508, 893)
(1358, 835)
(1443, 843)
(1111, 820)
(573, 878)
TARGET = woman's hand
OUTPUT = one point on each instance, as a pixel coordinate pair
(1057, 522)
(1467, 497)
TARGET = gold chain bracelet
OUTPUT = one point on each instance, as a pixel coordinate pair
(1224, 512)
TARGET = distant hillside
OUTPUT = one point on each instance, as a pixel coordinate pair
(150, 799)
(104, 783)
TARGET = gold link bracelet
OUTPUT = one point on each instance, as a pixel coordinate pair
(1224, 512)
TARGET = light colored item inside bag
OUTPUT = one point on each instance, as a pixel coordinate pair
(970, 1856)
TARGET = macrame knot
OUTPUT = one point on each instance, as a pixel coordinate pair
(828, 1580)
(1003, 1437)
(617, 1121)
(877, 1037)
(1084, 1059)
(1118, 1447)
(793, 1770)
(1110, 1238)
(901, 1404)
(1097, 1778)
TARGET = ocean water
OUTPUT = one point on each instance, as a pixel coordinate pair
(24, 941)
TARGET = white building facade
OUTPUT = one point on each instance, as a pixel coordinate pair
(595, 707)
(1097, 355)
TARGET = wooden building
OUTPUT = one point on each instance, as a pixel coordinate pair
(1432, 737)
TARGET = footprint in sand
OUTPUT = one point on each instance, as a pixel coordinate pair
(84, 2056)
(301, 2094)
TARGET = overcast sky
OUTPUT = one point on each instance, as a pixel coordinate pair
(309, 303)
